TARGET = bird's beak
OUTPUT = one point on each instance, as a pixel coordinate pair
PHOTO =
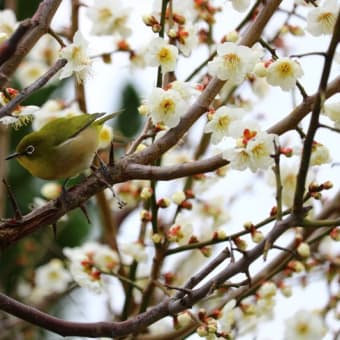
(13, 155)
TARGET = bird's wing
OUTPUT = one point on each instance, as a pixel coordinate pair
(61, 130)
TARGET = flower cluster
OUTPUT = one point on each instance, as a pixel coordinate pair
(233, 62)
(78, 61)
(168, 106)
(88, 262)
(253, 148)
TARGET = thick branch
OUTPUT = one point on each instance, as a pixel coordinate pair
(88, 329)
(138, 171)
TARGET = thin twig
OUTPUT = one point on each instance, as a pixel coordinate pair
(36, 85)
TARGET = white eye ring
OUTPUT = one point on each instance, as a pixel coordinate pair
(29, 150)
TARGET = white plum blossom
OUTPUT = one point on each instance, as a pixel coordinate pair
(85, 264)
(240, 5)
(109, 17)
(233, 62)
(267, 290)
(284, 72)
(52, 277)
(78, 61)
(8, 22)
(186, 90)
(320, 154)
(134, 251)
(305, 325)
(220, 124)
(253, 150)
(46, 50)
(260, 86)
(105, 136)
(29, 71)
(165, 107)
(85, 275)
(21, 115)
(161, 53)
(187, 39)
(321, 20)
(288, 174)
(181, 231)
(332, 110)
(106, 259)
(227, 319)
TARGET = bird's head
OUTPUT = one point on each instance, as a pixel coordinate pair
(29, 148)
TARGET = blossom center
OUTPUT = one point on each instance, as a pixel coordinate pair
(168, 106)
(327, 19)
(232, 60)
(223, 122)
(302, 328)
(104, 13)
(285, 69)
(259, 150)
(164, 54)
(53, 275)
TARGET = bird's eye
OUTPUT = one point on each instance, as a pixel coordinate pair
(29, 150)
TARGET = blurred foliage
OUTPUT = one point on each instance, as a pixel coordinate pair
(25, 9)
(129, 121)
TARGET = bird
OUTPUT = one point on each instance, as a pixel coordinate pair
(62, 148)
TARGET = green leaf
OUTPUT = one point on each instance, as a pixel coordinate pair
(129, 121)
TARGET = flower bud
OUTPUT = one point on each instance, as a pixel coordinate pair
(267, 290)
(149, 20)
(156, 28)
(145, 216)
(296, 266)
(260, 70)
(143, 109)
(146, 193)
(241, 244)
(180, 19)
(232, 36)
(248, 225)
(172, 33)
(287, 291)
(202, 331)
(184, 319)
(248, 309)
(335, 234)
(303, 249)
(257, 236)
(51, 190)
(206, 251)
(327, 185)
(178, 197)
(157, 238)
(220, 234)
(163, 203)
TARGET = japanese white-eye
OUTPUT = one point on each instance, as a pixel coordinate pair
(62, 148)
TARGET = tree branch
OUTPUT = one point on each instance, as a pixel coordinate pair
(36, 85)
(41, 19)
(165, 173)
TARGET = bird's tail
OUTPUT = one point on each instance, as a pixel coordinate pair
(102, 120)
